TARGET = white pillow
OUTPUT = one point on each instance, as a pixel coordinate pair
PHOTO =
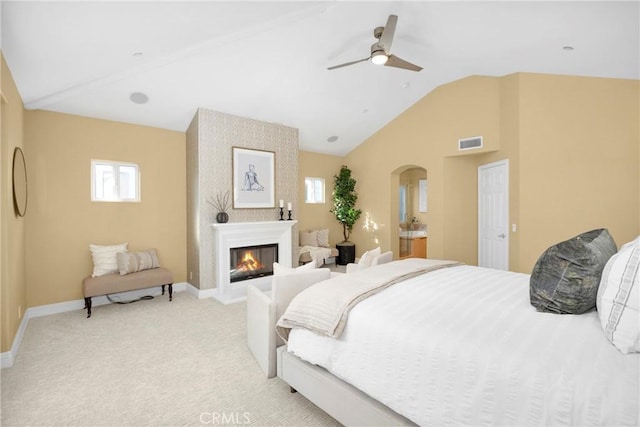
(281, 270)
(309, 239)
(618, 299)
(367, 258)
(323, 237)
(104, 258)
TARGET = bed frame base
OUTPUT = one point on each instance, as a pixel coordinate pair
(342, 401)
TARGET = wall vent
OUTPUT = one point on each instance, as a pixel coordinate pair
(470, 143)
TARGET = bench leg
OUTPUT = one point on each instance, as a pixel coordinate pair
(87, 305)
(170, 291)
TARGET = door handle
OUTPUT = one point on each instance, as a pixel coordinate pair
(502, 236)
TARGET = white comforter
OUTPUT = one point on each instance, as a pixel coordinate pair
(464, 346)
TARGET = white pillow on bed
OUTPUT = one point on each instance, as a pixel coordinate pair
(618, 298)
(281, 270)
(367, 258)
(309, 239)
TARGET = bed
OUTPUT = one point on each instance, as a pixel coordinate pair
(473, 351)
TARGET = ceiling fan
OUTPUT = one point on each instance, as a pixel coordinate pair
(380, 49)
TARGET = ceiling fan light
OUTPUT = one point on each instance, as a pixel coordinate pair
(379, 58)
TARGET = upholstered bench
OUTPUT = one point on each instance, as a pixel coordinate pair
(114, 283)
(312, 253)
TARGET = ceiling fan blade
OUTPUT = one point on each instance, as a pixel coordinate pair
(348, 63)
(387, 34)
(394, 61)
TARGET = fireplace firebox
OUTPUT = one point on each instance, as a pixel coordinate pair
(251, 262)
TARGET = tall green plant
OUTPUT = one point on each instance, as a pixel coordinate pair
(344, 201)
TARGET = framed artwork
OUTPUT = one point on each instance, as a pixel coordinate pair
(253, 178)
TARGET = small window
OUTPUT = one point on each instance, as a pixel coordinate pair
(114, 181)
(314, 190)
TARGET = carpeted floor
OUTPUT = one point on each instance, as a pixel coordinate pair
(146, 364)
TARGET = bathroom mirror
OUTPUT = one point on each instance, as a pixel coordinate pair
(422, 195)
(413, 194)
(19, 182)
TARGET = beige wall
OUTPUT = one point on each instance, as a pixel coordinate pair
(460, 204)
(579, 144)
(423, 136)
(572, 145)
(13, 295)
(62, 220)
(193, 204)
(314, 216)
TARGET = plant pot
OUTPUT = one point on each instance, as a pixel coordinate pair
(222, 217)
(346, 253)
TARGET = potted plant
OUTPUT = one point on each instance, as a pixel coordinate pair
(221, 204)
(344, 201)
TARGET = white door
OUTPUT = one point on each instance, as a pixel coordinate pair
(493, 215)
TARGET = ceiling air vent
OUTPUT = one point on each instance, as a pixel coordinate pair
(470, 143)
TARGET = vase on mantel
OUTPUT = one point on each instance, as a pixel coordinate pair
(222, 217)
(220, 203)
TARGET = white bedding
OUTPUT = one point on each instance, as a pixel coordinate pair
(464, 346)
(324, 307)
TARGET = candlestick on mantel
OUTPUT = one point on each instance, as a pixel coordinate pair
(281, 213)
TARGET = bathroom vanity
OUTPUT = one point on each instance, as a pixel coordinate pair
(413, 244)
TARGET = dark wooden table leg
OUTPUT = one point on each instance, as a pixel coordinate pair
(87, 305)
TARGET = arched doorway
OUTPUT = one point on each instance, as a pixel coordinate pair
(409, 211)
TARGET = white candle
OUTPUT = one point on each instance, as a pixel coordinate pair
(289, 206)
(281, 203)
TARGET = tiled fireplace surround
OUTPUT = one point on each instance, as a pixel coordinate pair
(210, 140)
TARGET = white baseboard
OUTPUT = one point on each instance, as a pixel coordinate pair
(7, 358)
(200, 293)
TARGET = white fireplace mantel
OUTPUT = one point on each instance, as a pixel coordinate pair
(240, 234)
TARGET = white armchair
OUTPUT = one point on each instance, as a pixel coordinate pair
(377, 259)
(264, 310)
(383, 258)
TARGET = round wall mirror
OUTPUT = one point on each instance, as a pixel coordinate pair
(19, 182)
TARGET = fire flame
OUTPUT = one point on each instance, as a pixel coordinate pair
(249, 263)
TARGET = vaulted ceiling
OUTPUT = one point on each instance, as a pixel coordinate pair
(268, 60)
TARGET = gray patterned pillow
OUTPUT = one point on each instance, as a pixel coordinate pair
(132, 262)
(566, 277)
